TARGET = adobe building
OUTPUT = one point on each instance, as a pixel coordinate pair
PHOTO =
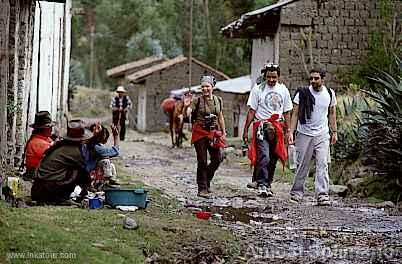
(300, 34)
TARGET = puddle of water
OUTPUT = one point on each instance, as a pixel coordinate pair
(243, 215)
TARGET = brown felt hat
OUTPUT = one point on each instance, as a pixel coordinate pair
(42, 119)
(76, 131)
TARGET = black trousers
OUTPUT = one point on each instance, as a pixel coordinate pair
(59, 191)
(205, 171)
(119, 118)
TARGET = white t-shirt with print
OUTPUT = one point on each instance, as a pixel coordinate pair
(267, 100)
(318, 123)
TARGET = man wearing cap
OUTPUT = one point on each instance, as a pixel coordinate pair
(38, 143)
(120, 105)
(63, 167)
(269, 103)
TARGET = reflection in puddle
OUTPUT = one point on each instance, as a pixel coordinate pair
(243, 215)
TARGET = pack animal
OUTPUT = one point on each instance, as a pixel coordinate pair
(177, 112)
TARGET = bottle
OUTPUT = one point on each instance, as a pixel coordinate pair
(292, 157)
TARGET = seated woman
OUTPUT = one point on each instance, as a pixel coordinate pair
(38, 143)
(102, 169)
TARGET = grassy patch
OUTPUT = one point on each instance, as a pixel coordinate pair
(99, 100)
(97, 236)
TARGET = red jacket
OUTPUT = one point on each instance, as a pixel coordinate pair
(35, 148)
(280, 149)
(214, 135)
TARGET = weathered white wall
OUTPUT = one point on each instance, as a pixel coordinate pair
(51, 57)
(142, 108)
(263, 51)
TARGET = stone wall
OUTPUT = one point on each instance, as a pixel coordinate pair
(340, 37)
(16, 33)
(159, 85)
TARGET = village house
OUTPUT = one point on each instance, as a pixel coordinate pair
(119, 73)
(34, 69)
(234, 93)
(150, 86)
(298, 34)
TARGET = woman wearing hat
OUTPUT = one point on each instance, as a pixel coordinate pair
(38, 143)
(63, 167)
(120, 105)
(208, 134)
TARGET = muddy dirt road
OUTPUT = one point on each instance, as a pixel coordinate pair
(273, 230)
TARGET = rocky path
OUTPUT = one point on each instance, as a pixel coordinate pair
(274, 230)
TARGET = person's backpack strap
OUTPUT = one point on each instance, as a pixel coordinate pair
(330, 100)
(220, 104)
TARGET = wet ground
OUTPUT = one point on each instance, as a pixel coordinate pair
(273, 230)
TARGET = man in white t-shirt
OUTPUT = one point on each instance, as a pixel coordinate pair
(266, 99)
(310, 116)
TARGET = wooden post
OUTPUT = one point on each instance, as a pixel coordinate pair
(4, 72)
(92, 58)
(190, 52)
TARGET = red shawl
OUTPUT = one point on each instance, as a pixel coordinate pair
(214, 135)
(280, 149)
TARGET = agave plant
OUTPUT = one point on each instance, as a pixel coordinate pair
(349, 147)
(383, 142)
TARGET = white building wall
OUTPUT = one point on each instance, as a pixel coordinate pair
(263, 50)
(51, 55)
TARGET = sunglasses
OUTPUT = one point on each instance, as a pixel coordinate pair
(314, 78)
(271, 65)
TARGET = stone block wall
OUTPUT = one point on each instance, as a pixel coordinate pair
(340, 37)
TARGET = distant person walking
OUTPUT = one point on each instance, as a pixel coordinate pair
(269, 106)
(310, 115)
(120, 105)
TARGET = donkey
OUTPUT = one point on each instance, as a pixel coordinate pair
(177, 111)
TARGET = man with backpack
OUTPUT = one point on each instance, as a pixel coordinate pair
(269, 112)
(314, 106)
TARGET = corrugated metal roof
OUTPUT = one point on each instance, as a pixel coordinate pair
(167, 64)
(239, 85)
(245, 18)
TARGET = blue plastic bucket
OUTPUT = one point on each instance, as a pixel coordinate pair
(136, 197)
(95, 203)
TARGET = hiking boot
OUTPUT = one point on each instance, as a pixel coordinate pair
(295, 199)
(262, 191)
(252, 185)
(323, 200)
(204, 194)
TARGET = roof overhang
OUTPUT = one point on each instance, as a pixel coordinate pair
(259, 23)
(55, 1)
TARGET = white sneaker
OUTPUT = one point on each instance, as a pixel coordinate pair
(323, 200)
(262, 191)
(269, 192)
